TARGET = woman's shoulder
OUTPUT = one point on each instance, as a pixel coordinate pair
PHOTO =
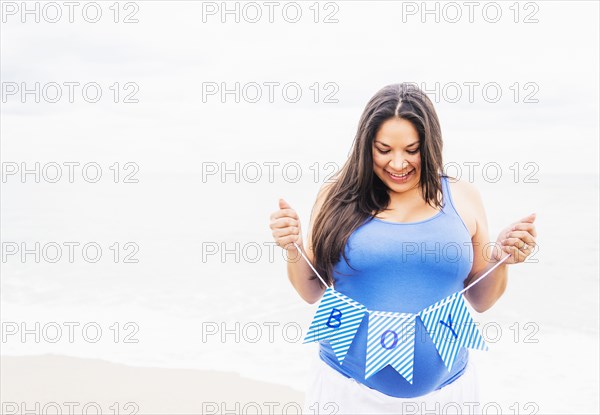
(467, 201)
(463, 188)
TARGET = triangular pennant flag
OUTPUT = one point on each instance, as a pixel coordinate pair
(337, 319)
(451, 327)
(391, 340)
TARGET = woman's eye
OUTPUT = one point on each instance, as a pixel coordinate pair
(387, 151)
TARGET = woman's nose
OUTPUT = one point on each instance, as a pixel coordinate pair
(398, 162)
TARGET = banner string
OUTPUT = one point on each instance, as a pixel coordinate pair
(386, 313)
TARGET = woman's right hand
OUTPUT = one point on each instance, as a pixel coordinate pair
(285, 225)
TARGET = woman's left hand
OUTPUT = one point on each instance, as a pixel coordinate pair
(517, 239)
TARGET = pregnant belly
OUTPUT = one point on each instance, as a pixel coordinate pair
(429, 371)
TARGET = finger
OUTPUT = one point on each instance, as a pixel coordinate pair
(516, 242)
(290, 213)
(522, 235)
(282, 213)
(527, 219)
(516, 253)
(524, 226)
(284, 223)
(523, 250)
(288, 231)
(283, 204)
(288, 242)
(518, 248)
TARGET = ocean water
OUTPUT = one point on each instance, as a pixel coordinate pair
(189, 308)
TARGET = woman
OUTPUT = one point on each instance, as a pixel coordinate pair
(394, 233)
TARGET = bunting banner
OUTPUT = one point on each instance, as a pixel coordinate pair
(391, 335)
(451, 327)
(391, 340)
(337, 320)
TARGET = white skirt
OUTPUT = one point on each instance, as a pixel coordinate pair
(330, 392)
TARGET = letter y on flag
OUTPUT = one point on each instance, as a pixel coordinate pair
(451, 327)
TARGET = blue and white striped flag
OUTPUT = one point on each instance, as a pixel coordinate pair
(337, 320)
(391, 340)
(451, 327)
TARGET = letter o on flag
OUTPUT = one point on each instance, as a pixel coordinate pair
(383, 339)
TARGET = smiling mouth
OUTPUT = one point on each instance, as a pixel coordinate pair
(400, 176)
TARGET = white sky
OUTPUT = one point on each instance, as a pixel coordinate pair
(170, 53)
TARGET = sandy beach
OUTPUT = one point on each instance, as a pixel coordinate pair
(41, 384)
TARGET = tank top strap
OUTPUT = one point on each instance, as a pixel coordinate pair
(448, 204)
(446, 200)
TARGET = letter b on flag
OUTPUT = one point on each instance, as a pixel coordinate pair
(335, 319)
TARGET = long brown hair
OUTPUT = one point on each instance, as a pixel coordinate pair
(356, 191)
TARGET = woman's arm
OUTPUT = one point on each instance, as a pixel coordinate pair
(518, 239)
(311, 290)
(485, 293)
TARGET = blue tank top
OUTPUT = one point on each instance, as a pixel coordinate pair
(404, 267)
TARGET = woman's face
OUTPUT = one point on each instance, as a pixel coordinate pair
(396, 157)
